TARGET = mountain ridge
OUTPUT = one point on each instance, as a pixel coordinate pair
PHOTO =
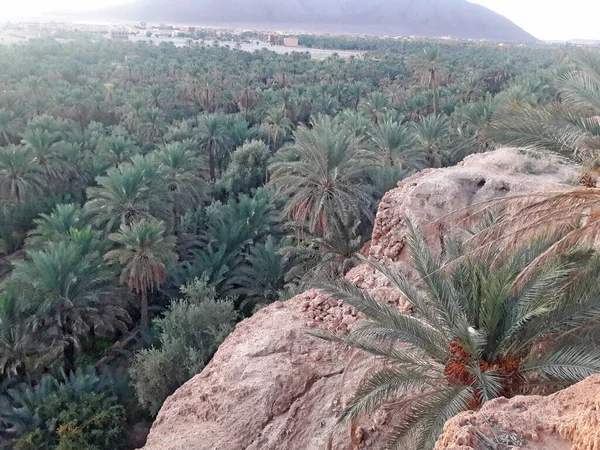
(424, 18)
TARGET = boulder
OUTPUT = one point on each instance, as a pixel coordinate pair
(271, 385)
(567, 420)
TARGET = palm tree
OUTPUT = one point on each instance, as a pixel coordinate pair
(263, 276)
(144, 253)
(120, 149)
(395, 145)
(374, 105)
(57, 225)
(42, 144)
(10, 126)
(19, 344)
(332, 255)
(125, 194)
(322, 176)
(474, 337)
(20, 178)
(184, 184)
(153, 124)
(212, 135)
(68, 287)
(431, 133)
(433, 76)
(571, 128)
(277, 127)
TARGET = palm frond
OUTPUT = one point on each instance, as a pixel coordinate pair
(567, 363)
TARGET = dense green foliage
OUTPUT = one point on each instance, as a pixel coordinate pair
(130, 171)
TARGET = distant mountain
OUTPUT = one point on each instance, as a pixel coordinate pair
(427, 18)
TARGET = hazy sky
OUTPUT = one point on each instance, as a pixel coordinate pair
(545, 19)
(551, 19)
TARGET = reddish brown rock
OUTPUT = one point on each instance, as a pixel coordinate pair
(272, 386)
(567, 420)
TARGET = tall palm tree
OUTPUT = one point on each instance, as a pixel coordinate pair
(571, 127)
(20, 178)
(119, 149)
(144, 253)
(433, 76)
(212, 135)
(182, 172)
(395, 144)
(322, 176)
(153, 124)
(473, 337)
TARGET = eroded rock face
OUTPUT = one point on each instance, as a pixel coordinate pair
(567, 420)
(271, 385)
(433, 193)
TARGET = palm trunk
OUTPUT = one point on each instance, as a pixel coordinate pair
(93, 342)
(211, 162)
(434, 90)
(144, 311)
(68, 349)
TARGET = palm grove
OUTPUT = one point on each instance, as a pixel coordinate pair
(153, 196)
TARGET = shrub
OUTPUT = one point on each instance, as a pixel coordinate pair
(190, 333)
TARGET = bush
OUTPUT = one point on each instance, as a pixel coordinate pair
(247, 169)
(82, 411)
(190, 333)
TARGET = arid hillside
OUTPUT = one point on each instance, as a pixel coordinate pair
(428, 18)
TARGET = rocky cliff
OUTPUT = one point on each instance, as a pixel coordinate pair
(273, 386)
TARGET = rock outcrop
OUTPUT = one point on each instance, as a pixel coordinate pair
(569, 419)
(271, 385)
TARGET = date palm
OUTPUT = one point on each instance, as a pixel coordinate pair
(19, 343)
(430, 133)
(143, 253)
(374, 105)
(473, 337)
(395, 144)
(153, 124)
(10, 126)
(42, 144)
(67, 287)
(277, 127)
(432, 76)
(322, 176)
(119, 149)
(571, 127)
(213, 136)
(57, 225)
(185, 186)
(20, 178)
(124, 194)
